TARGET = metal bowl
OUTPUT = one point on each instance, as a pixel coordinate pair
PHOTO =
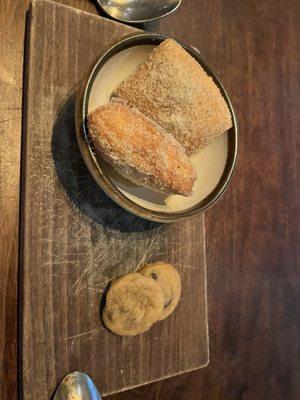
(98, 167)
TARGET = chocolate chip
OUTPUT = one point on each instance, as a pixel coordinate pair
(168, 303)
(154, 276)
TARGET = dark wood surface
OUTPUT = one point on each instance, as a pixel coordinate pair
(75, 240)
(252, 233)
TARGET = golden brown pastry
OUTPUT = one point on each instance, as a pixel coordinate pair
(133, 303)
(140, 150)
(172, 89)
(168, 279)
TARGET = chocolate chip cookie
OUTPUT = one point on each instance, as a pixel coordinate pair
(168, 279)
(133, 303)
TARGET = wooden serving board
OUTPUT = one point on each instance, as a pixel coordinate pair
(75, 239)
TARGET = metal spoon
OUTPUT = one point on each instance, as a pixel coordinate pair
(138, 11)
(77, 386)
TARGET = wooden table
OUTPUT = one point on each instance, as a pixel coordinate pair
(252, 233)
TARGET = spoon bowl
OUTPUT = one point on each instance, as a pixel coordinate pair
(76, 386)
(138, 11)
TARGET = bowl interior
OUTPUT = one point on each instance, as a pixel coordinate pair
(209, 162)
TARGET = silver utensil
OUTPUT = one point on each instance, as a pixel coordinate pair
(77, 386)
(138, 11)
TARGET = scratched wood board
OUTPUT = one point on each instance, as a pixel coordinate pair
(74, 239)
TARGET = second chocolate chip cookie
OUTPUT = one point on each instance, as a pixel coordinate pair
(169, 280)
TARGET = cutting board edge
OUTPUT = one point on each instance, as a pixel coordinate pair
(22, 215)
(186, 371)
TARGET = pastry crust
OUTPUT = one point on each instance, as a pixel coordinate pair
(140, 150)
(133, 303)
(168, 279)
(172, 89)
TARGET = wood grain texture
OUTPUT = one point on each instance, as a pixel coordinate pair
(12, 25)
(253, 233)
(253, 269)
(12, 33)
(74, 240)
